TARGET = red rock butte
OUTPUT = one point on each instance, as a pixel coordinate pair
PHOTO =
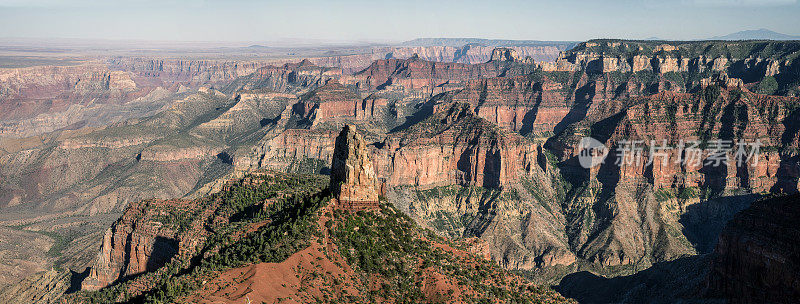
(353, 179)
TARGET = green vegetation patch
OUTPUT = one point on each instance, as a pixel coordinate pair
(390, 246)
(665, 194)
(286, 203)
(767, 86)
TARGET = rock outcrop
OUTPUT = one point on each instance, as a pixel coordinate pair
(455, 147)
(353, 179)
(752, 61)
(36, 100)
(328, 102)
(468, 53)
(757, 259)
(504, 54)
(421, 78)
(185, 71)
(288, 78)
(138, 242)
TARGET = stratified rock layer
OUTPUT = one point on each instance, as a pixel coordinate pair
(504, 54)
(458, 147)
(353, 180)
(133, 245)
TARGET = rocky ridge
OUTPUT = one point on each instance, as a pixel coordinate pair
(768, 66)
(133, 246)
(756, 259)
(170, 71)
(427, 78)
(467, 53)
(210, 264)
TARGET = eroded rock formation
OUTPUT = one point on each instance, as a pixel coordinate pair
(468, 53)
(421, 77)
(504, 54)
(353, 179)
(455, 146)
(757, 259)
(179, 70)
(138, 242)
(485, 150)
(753, 61)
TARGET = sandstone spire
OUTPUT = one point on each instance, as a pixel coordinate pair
(353, 180)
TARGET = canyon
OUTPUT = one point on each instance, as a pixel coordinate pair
(475, 143)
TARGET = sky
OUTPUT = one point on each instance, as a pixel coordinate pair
(391, 21)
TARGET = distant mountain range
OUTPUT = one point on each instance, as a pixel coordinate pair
(760, 34)
(458, 42)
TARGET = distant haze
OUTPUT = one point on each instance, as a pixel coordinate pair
(760, 34)
(362, 21)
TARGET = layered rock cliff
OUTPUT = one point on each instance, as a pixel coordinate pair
(328, 102)
(467, 53)
(767, 66)
(465, 177)
(522, 104)
(452, 149)
(288, 78)
(667, 199)
(719, 113)
(455, 146)
(185, 71)
(42, 99)
(137, 243)
(422, 77)
(597, 206)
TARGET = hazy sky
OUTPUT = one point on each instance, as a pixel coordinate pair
(357, 20)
